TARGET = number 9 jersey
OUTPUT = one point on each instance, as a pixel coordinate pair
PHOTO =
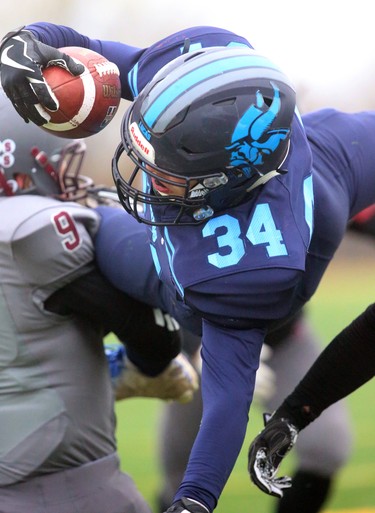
(46, 358)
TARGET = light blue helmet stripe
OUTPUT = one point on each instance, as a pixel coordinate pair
(199, 75)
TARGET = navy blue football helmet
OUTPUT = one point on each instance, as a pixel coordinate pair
(216, 123)
(51, 164)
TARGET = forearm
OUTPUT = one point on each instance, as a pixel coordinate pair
(149, 346)
(345, 365)
(57, 35)
(230, 360)
(123, 55)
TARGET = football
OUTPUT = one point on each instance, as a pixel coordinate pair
(87, 102)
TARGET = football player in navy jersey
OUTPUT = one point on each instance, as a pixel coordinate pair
(245, 203)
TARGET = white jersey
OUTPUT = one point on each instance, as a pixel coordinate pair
(56, 404)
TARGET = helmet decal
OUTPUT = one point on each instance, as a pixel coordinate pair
(144, 147)
(246, 150)
(7, 148)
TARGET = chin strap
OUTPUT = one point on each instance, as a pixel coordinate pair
(263, 179)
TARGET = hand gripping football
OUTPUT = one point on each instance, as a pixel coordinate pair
(87, 102)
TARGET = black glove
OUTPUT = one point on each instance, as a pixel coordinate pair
(267, 451)
(22, 58)
(184, 505)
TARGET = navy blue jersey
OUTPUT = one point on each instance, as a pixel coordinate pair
(242, 246)
(248, 268)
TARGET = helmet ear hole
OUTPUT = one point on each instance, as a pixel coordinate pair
(178, 119)
(187, 151)
(225, 102)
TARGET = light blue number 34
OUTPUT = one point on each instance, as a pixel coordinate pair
(262, 230)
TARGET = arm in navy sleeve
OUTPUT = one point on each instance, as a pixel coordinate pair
(230, 360)
(58, 36)
(91, 296)
(123, 255)
(269, 294)
(137, 65)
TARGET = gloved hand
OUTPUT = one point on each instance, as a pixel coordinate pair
(178, 382)
(22, 58)
(265, 382)
(184, 505)
(266, 453)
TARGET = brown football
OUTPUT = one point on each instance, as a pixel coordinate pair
(87, 102)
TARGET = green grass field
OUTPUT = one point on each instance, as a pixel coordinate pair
(345, 291)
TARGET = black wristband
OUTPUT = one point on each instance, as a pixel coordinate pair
(346, 364)
(300, 415)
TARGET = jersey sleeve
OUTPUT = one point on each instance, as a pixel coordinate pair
(171, 47)
(230, 360)
(123, 55)
(257, 298)
(123, 255)
(138, 65)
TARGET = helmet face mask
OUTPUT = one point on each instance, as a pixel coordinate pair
(58, 174)
(188, 205)
(33, 161)
(73, 185)
(208, 126)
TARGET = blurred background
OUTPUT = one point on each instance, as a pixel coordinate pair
(327, 47)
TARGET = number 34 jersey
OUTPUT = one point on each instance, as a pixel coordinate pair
(263, 260)
(240, 263)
